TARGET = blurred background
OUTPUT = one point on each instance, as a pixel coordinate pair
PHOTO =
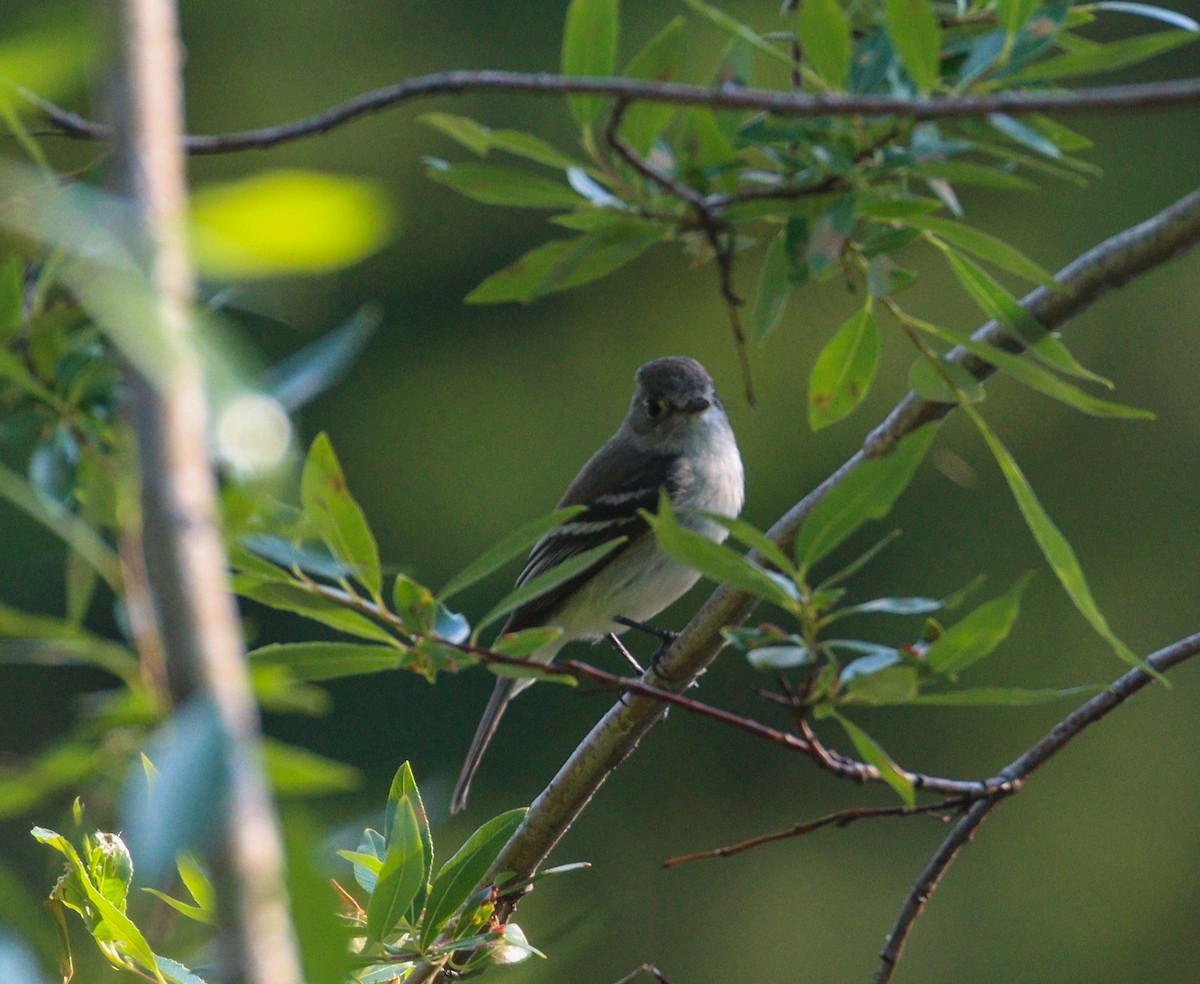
(461, 422)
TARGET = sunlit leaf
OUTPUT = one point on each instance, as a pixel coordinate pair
(526, 642)
(872, 753)
(778, 657)
(889, 685)
(866, 493)
(458, 877)
(590, 48)
(917, 38)
(302, 601)
(401, 876)
(843, 371)
(285, 222)
(329, 660)
(338, 519)
(755, 539)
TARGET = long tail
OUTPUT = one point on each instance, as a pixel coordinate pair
(506, 689)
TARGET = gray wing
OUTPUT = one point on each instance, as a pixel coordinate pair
(613, 486)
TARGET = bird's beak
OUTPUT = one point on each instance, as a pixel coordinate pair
(697, 404)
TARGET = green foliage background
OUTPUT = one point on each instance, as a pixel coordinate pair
(462, 422)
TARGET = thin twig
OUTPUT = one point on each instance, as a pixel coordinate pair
(1152, 95)
(841, 818)
(1018, 771)
(715, 230)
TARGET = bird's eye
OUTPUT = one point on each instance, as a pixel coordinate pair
(653, 408)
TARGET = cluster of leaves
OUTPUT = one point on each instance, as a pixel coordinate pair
(838, 672)
(820, 191)
(832, 196)
(410, 910)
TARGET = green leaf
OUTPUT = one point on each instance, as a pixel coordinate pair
(197, 881)
(872, 753)
(894, 208)
(985, 246)
(590, 48)
(895, 606)
(63, 523)
(843, 371)
(997, 697)
(1103, 57)
(508, 547)
(774, 288)
(976, 635)
(1033, 375)
(404, 791)
(338, 519)
(890, 685)
(714, 561)
(113, 924)
(481, 139)
(300, 378)
(866, 493)
(329, 660)
(458, 877)
(755, 539)
(302, 601)
(65, 644)
(738, 30)
(1026, 136)
(287, 221)
(526, 642)
(824, 34)
(915, 35)
(661, 60)
(193, 912)
(565, 263)
(12, 294)
(175, 972)
(401, 876)
(999, 304)
(978, 175)
(549, 580)
(1014, 14)
(494, 185)
(297, 772)
(1057, 551)
(944, 381)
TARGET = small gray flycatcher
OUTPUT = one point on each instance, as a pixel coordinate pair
(676, 437)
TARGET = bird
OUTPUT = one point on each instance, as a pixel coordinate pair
(675, 437)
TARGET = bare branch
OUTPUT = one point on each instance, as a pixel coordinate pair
(1153, 95)
(842, 818)
(1020, 769)
(185, 557)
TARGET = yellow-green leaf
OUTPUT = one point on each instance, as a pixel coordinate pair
(824, 34)
(915, 34)
(338, 519)
(661, 60)
(287, 221)
(590, 48)
(843, 371)
(873, 754)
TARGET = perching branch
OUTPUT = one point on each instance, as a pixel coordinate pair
(185, 557)
(1089, 713)
(1122, 98)
(1108, 265)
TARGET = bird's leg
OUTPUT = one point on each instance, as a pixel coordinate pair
(629, 657)
(664, 636)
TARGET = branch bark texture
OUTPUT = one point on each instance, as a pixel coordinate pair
(185, 557)
(1152, 95)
